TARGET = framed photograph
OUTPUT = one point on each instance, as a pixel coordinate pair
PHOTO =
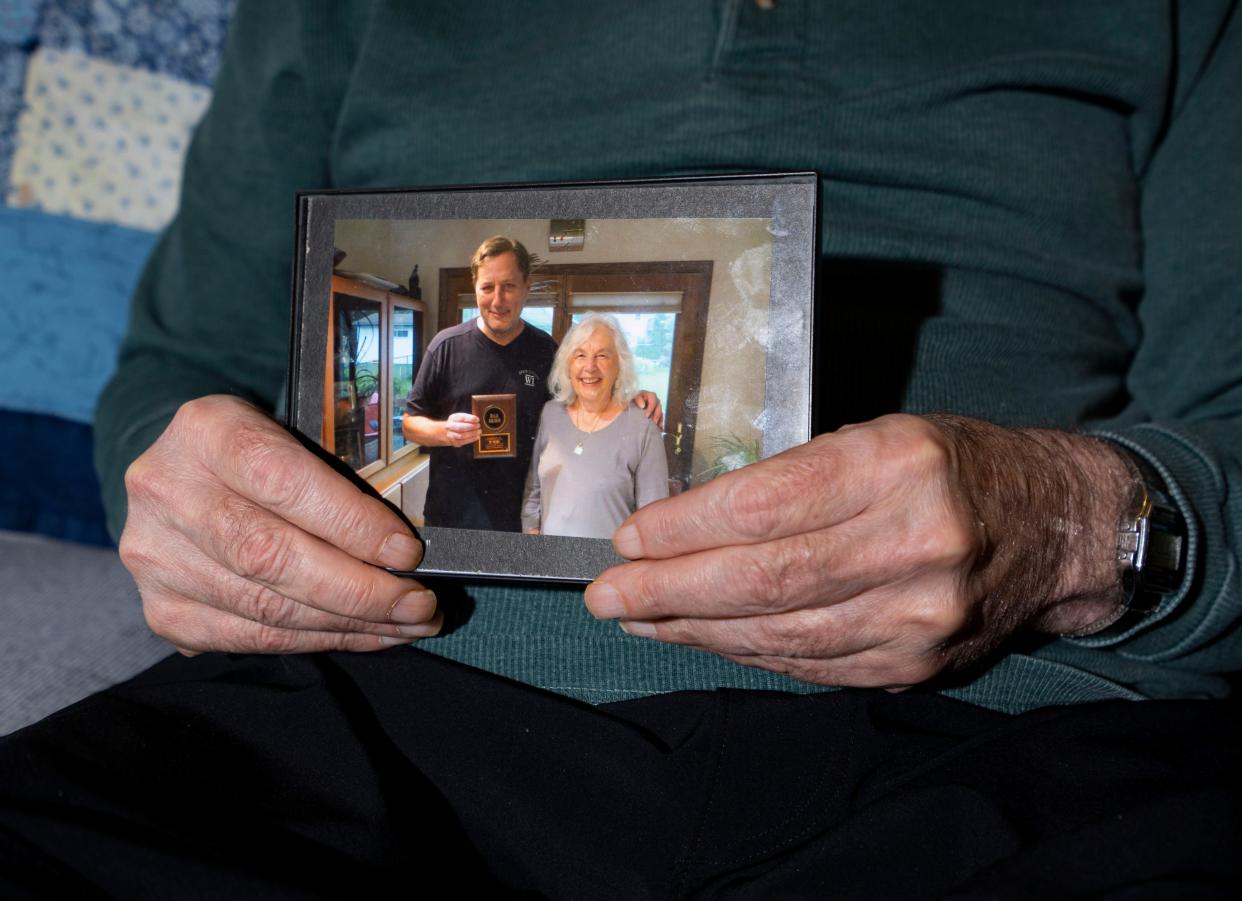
(488, 358)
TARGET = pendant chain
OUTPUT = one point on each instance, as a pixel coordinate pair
(586, 433)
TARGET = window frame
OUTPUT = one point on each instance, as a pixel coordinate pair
(387, 300)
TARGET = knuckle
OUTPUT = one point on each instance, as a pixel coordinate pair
(949, 543)
(145, 481)
(192, 415)
(774, 575)
(263, 551)
(680, 631)
(347, 641)
(365, 599)
(154, 616)
(234, 519)
(135, 554)
(266, 639)
(797, 637)
(752, 510)
(273, 469)
(206, 410)
(644, 594)
(196, 418)
(931, 534)
(260, 604)
(360, 524)
(929, 452)
(910, 446)
(757, 500)
(958, 543)
(935, 619)
(803, 482)
(761, 577)
(162, 618)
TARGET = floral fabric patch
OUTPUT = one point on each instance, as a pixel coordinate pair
(102, 142)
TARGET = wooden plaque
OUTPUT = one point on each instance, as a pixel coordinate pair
(498, 421)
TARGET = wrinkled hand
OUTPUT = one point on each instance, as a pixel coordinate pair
(461, 429)
(241, 540)
(880, 554)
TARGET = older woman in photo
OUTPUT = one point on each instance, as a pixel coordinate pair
(597, 457)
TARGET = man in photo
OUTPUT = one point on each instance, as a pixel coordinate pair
(495, 353)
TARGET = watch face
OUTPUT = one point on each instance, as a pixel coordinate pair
(1165, 546)
(1151, 547)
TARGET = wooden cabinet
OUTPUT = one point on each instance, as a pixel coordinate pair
(376, 341)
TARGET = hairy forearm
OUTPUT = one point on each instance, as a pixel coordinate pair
(1049, 504)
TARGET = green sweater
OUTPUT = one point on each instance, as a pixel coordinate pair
(1032, 213)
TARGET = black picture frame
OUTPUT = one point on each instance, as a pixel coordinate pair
(788, 202)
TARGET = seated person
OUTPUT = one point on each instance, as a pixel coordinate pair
(1031, 248)
(597, 458)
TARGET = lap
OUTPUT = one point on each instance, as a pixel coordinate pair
(308, 776)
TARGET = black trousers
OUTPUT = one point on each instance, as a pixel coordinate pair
(338, 775)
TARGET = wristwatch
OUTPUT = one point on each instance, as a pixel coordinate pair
(1150, 542)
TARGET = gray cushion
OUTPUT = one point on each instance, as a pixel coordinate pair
(70, 624)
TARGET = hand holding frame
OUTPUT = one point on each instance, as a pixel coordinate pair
(242, 540)
(880, 554)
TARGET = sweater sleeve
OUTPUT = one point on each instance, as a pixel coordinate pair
(1185, 382)
(211, 312)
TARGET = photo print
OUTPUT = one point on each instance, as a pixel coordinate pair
(517, 369)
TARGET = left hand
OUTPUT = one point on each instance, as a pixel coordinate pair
(650, 405)
(880, 554)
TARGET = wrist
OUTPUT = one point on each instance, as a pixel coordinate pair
(1151, 546)
(1050, 503)
(1088, 595)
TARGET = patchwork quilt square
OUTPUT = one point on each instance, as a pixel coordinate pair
(102, 142)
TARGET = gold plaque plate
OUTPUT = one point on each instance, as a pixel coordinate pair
(498, 421)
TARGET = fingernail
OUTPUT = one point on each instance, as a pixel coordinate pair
(603, 601)
(627, 543)
(638, 628)
(401, 550)
(391, 641)
(413, 608)
(419, 630)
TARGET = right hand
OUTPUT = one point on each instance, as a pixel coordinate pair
(241, 540)
(461, 429)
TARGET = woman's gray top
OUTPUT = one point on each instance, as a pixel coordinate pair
(620, 468)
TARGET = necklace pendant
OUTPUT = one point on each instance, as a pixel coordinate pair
(578, 449)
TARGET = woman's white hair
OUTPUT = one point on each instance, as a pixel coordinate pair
(559, 382)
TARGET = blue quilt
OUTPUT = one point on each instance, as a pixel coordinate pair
(97, 102)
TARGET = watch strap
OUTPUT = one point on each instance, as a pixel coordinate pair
(1150, 541)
